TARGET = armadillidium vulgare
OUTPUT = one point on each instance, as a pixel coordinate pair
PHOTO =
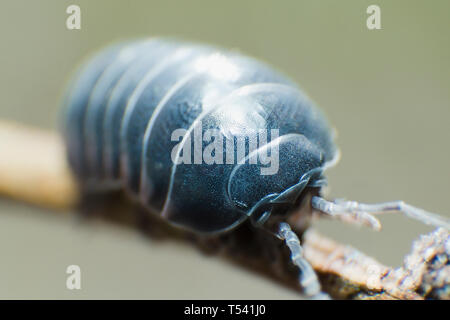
(207, 139)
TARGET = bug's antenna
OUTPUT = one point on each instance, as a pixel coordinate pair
(307, 278)
(362, 213)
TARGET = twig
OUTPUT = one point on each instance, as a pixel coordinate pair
(33, 169)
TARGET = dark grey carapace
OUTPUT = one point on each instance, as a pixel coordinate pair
(134, 111)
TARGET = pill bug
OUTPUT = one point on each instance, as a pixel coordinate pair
(184, 129)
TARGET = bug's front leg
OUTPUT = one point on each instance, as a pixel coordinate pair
(361, 213)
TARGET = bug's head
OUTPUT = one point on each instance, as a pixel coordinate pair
(262, 188)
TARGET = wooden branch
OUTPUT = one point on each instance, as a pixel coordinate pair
(33, 169)
(425, 272)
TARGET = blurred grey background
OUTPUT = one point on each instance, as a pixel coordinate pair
(386, 91)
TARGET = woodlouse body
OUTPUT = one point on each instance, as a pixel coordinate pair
(125, 103)
(184, 129)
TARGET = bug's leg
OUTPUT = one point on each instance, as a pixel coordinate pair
(308, 278)
(345, 212)
(363, 213)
